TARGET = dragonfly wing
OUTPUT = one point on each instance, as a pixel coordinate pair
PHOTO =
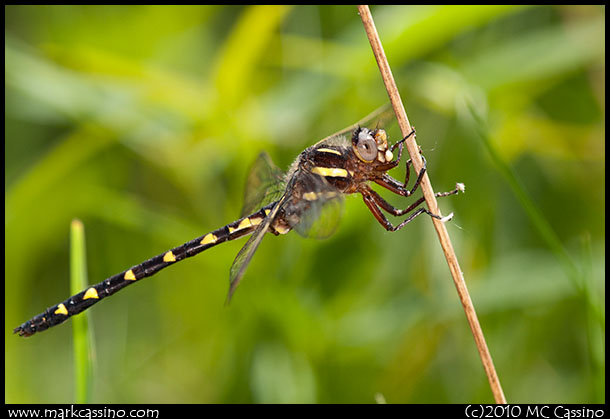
(379, 116)
(321, 220)
(243, 258)
(264, 184)
(316, 214)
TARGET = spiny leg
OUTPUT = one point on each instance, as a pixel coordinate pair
(398, 188)
(379, 200)
(400, 144)
(459, 187)
(372, 204)
(392, 164)
(409, 162)
(394, 185)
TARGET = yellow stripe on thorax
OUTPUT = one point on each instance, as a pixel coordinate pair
(313, 196)
(329, 171)
(329, 150)
(310, 196)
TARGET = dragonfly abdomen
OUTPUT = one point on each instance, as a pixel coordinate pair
(83, 300)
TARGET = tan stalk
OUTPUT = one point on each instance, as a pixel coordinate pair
(441, 230)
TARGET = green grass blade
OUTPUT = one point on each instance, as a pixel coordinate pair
(539, 222)
(83, 348)
(580, 276)
(595, 323)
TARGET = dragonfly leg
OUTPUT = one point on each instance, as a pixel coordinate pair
(401, 143)
(373, 201)
(398, 212)
(381, 202)
(398, 188)
(394, 163)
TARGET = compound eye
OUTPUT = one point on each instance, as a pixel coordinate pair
(366, 147)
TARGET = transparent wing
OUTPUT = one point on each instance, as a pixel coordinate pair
(263, 186)
(243, 258)
(318, 211)
(379, 117)
(322, 219)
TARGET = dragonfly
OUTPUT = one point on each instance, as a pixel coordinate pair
(277, 203)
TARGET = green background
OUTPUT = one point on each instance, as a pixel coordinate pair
(142, 121)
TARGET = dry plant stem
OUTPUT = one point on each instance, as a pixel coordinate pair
(454, 267)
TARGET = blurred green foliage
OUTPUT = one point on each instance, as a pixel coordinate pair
(142, 121)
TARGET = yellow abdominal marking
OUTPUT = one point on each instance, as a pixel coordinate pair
(329, 150)
(91, 293)
(267, 211)
(329, 171)
(208, 239)
(129, 276)
(245, 223)
(256, 221)
(61, 309)
(169, 257)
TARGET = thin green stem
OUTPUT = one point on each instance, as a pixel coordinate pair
(83, 348)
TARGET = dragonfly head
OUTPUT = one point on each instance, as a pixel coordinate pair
(371, 145)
